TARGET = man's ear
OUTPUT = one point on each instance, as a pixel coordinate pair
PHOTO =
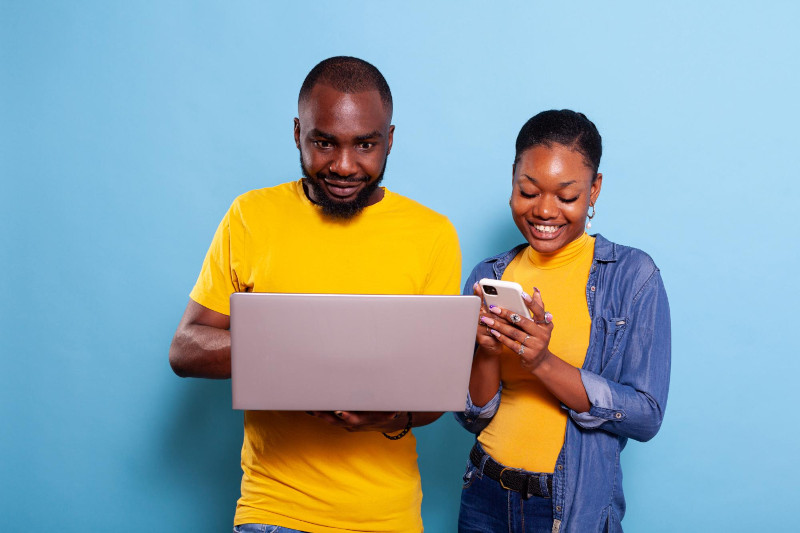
(297, 132)
(390, 140)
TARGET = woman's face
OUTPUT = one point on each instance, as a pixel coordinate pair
(552, 189)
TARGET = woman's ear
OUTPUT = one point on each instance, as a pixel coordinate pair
(597, 184)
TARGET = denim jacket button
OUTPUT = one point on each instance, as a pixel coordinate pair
(617, 415)
(560, 467)
(558, 508)
(593, 288)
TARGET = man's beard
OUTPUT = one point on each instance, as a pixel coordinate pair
(332, 208)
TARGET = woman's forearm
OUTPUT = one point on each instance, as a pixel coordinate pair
(485, 377)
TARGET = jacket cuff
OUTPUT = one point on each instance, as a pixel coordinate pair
(475, 418)
(601, 400)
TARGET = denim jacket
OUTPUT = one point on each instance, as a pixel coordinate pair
(626, 376)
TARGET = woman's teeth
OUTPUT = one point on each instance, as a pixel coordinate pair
(546, 229)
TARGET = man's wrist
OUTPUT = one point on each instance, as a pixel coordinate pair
(404, 430)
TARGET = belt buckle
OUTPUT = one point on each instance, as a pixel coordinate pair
(500, 479)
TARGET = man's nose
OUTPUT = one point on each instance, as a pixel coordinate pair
(344, 164)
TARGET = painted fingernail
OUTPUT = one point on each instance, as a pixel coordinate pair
(486, 320)
(494, 309)
(338, 413)
(527, 297)
(495, 332)
(536, 289)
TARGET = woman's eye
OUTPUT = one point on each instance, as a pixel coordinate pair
(569, 200)
(527, 195)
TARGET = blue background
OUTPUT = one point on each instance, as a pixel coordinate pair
(126, 129)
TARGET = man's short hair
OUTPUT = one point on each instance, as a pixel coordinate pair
(348, 75)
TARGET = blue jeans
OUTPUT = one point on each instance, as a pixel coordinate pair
(263, 528)
(486, 507)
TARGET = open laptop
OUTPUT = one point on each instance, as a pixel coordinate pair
(323, 352)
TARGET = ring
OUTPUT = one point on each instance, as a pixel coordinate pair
(547, 318)
(521, 350)
(515, 318)
(526, 338)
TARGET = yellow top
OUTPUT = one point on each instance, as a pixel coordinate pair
(300, 472)
(528, 430)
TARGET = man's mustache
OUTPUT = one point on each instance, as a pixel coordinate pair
(345, 179)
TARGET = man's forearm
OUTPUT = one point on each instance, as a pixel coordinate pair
(201, 352)
(423, 418)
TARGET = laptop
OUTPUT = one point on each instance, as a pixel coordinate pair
(323, 352)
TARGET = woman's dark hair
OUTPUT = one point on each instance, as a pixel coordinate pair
(564, 127)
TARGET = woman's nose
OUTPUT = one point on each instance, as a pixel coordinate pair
(344, 164)
(545, 207)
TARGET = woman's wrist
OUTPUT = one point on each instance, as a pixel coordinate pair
(539, 364)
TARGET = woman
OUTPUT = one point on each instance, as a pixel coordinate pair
(555, 398)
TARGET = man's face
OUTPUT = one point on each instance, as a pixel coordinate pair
(344, 140)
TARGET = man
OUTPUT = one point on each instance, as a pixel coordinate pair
(334, 231)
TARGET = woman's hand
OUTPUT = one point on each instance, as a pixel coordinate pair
(529, 338)
(488, 343)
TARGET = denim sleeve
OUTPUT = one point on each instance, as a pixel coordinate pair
(633, 405)
(475, 418)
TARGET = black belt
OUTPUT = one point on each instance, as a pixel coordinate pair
(511, 479)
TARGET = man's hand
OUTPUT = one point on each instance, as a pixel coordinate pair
(383, 421)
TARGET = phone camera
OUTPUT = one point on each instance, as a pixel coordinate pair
(488, 289)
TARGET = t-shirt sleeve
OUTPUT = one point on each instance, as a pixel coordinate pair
(444, 276)
(218, 278)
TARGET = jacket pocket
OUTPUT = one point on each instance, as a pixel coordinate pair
(613, 331)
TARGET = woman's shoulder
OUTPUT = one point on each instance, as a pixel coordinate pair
(608, 251)
(627, 262)
(492, 267)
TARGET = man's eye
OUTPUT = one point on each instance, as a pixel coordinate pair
(366, 145)
(322, 144)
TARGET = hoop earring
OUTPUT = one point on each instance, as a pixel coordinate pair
(590, 217)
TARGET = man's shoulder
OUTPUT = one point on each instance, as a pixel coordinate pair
(423, 212)
(258, 199)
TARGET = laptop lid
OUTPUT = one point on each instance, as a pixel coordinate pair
(322, 352)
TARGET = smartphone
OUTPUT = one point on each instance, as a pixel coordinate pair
(505, 294)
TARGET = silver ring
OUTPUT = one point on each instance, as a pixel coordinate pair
(547, 317)
(521, 350)
(525, 339)
(515, 318)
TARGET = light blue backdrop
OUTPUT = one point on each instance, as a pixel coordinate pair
(126, 129)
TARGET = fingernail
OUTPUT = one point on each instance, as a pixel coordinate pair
(338, 413)
(536, 289)
(486, 320)
(494, 309)
(527, 297)
(495, 332)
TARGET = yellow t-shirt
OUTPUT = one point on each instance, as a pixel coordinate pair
(527, 431)
(298, 471)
